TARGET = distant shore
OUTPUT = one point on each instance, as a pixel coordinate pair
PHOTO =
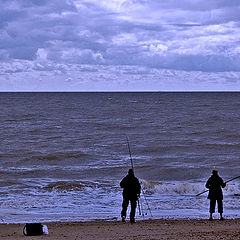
(141, 230)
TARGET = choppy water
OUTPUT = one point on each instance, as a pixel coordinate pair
(62, 155)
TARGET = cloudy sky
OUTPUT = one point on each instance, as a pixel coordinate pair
(119, 45)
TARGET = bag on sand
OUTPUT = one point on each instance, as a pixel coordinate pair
(34, 229)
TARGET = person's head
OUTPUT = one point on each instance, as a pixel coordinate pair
(130, 172)
(215, 172)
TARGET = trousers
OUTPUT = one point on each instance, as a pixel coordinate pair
(213, 204)
(125, 204)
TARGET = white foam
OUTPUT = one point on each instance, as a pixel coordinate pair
(177, 188)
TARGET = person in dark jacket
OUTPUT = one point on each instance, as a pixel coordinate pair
(215, 185)
(131, 192)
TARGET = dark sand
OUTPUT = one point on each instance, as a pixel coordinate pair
(149, 229)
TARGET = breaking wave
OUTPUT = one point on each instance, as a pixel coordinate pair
(176, 188)
(68, 186)
(149, 188)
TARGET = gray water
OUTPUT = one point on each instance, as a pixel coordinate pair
(62, 155)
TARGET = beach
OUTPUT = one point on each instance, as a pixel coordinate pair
(141, 230)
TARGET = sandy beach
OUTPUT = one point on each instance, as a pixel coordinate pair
(149, 229)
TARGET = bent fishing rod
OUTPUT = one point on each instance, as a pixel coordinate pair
(225, 182)
(130, 154)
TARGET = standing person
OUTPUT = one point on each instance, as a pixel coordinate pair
(215, 185)
(131, 192)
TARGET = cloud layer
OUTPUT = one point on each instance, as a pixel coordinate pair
(52, 37)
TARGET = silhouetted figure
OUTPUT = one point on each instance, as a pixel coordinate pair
(215, 185)
(131, 192)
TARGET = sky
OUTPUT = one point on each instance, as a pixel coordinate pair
(119, 45)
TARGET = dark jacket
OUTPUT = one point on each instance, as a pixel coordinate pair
(215, 185)
(131, 187)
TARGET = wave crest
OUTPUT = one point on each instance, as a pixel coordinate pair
(183, 188)
(66, 186)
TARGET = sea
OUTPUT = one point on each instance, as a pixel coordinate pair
(63, 155)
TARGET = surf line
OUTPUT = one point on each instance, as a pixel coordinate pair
(225, 182)
(138, 201)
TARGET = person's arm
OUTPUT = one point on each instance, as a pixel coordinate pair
(138, 188)
(122, 183)
(207, 184)
(223, 184)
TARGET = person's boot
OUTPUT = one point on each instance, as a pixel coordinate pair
(221, 217)
(132, 220)
(123, 218)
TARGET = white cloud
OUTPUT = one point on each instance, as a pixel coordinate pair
(158, 49)
(124, 39)
(75, 77)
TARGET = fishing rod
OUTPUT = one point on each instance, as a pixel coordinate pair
(225, 182)
(147, 203)
(130, 154)
(141, 188)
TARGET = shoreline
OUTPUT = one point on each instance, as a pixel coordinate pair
(141, 230)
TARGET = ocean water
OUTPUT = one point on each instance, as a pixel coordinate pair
(62, 155)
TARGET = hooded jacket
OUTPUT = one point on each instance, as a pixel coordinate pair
(131, 186)
(215, 185)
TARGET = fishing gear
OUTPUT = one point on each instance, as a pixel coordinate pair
(130, 154)
(141, 188)
(147, 203)
(225, 182)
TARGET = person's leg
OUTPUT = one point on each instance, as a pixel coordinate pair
(133, 210)
(220, 208)
(124, 208)
(212, 208)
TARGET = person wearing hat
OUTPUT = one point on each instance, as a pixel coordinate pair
(131, 192)
(215, 185)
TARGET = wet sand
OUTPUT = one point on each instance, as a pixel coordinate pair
(149, 229)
